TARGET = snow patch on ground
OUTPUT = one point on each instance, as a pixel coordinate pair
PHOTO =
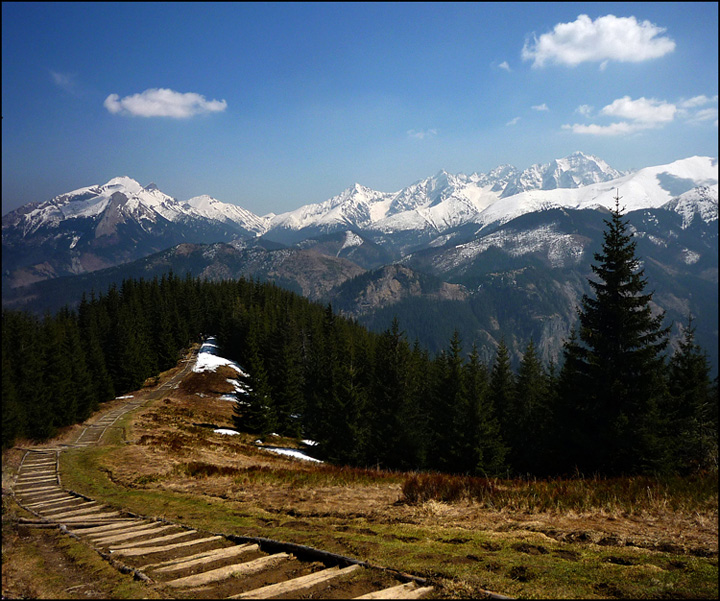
(208, 360)
(292, 453)
(227, 431)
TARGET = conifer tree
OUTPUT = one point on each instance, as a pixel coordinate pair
(13, 412)
(288, 379)
(616, 363)
(502, 391)
(388, 399)
(486, 455)
(255, 412)
(449, 451)
(692, 411)
(531, 415)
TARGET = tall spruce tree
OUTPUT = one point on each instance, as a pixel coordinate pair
(531, 415)
(615, 368)
(692, 407)
(482, 428)
(451, 447)
(502, 392)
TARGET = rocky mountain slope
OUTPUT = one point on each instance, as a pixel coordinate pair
(448, 251)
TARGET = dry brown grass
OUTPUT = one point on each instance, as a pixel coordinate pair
(168, 442)
(465, 546)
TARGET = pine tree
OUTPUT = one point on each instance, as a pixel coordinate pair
(531, 415)
(451, 444)
(502, 392)
(487, 451)
(255, 412)
(616, 366)
(691, 410)
(388, 399)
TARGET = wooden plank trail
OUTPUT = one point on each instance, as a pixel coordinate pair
(186, 563)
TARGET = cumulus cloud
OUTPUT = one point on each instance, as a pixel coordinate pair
(504, 65)
(643, 113)
(422, 134)
(643, 110)
(614, 129)
(646, 113)
(622, 39)
(162, 102)
(540, 107)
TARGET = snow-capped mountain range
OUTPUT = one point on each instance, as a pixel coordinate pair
(138, 203)
(445, 201)
(102, 225)
(510, 250)
(438, 203)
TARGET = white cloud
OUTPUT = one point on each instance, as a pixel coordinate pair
(643, 110)
(422, 134)
(614, 129)
(697, 101)
(504, 65)
(622, 39)
(65, 81)
(705, 115)
(513, 121)
(540, 107)
(162, 102)
(643, 113)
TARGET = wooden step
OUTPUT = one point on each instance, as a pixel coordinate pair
(76, 512)
(409, 590)
(238, 569)
(128, 535)
(147, 550)
(296, 585)
(154, 541)
(106, 528)
(207, 557)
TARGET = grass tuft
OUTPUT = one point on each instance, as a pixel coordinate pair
(629, 496)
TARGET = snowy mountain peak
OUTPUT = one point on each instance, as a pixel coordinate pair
(127, 200)
(573, 171)
(123, 184)
(701, 202)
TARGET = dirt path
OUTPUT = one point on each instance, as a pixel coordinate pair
(180, 562)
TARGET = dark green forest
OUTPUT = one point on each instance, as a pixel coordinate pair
(617, 404)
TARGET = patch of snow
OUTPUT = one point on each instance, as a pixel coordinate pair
(226, 431)
(690, 257)
(292, 453)
(207, 360)
(351, 239)
(127, 396)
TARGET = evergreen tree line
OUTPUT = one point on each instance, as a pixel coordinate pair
(617, 404)
(56, 370)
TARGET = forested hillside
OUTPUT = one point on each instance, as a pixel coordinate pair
(616, 405)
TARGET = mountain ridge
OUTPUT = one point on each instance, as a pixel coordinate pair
(495, 266)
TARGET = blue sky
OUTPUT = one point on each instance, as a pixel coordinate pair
(272, 106)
